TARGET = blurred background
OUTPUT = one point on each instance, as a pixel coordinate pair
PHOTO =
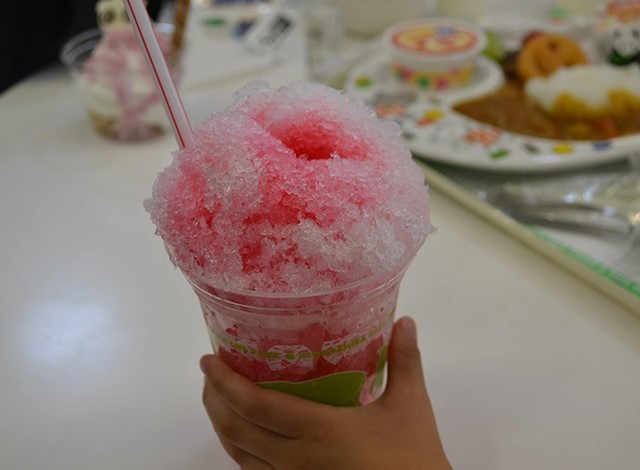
(33, 32)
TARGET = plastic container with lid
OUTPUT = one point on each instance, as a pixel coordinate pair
(435, 54)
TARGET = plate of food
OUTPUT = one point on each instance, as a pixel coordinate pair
(547, 107)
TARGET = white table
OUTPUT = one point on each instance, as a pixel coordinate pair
(100, 338)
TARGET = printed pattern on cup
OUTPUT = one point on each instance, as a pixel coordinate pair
(336, 349)
(246, 345)
(282, 356)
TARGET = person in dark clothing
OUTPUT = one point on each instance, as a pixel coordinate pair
(33, 31)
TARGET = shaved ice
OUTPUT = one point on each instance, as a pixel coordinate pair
(294, 190)
(294, 214)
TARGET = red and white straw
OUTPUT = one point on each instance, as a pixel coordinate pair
(146, 35)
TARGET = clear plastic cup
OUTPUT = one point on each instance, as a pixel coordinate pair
(122, 103)
(329, 347)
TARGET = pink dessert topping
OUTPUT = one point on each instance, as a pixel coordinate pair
(297, 189)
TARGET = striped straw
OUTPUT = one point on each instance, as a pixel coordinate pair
(146, 35)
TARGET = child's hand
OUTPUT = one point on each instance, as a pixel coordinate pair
(265, 429)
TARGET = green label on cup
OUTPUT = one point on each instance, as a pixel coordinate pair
(341, 389)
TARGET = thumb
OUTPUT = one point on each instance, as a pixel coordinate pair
(406, 378)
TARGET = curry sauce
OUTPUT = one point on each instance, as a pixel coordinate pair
(510, 109)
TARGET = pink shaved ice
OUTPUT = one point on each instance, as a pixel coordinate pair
(298, 189)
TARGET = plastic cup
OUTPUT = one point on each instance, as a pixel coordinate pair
(329, 347)
(122, 103)
(436, 53)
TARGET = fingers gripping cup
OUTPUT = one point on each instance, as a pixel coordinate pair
(294, 215)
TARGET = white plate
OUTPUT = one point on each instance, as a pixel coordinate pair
(435, 132)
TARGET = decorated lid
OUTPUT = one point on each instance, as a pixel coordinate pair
(623, 11)
(436, 38)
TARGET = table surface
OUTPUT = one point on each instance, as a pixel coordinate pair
(100, 338)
